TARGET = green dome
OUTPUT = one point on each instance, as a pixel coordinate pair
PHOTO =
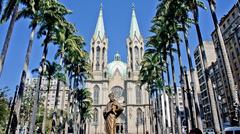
(117, 64)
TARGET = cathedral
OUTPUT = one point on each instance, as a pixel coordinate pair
(120, 78)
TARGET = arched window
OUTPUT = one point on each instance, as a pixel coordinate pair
(138, 95)
(98, 58)
(103, 54)
(131, 57)
(92, 54)
(98, 54)
(136, 52)
(139, 116)
(95, 115)
(96, 94)
(141, 51)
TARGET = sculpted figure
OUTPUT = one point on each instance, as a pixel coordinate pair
(110, 114)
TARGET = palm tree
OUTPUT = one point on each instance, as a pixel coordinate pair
(51, 20)
(75, 62)
(170, 99)
(11, 9)
(1, 6)
(31, 12)
(175, 87)
(66, 41)
(84, 100)
(193, 6)
(52, 72)
(226, 62)
(151, 64)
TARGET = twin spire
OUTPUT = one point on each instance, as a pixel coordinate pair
(100, 30)
(134, 29)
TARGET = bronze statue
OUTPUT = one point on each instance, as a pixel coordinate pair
(110, 114)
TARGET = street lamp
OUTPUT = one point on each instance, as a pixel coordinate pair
(218, 105)
(184, 69)
(182, 84)
(192, 85)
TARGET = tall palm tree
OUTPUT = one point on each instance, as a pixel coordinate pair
(1, 6)
(175, 87)
(11, 9)
(75, 61)
(191, 69)
(53, 71)
(193, 6)
(84, 100)
(226, 62)
(51, 20)
(65, 41)
(29, 11)
(151, 65)
(181, 72)
(170, 94)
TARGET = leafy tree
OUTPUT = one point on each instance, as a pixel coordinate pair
(4, 109)
(52, 20)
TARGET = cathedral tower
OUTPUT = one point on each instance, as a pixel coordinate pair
(135, 46)
(99, 47)
(119, 78)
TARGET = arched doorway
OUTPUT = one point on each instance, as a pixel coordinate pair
(120, 124)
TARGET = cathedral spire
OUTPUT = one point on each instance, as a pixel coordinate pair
(134, 29)
(100, 31)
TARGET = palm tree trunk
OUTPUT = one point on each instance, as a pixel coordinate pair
(191, 99)
(158, 113)
(24, 72)
(11, 112)
(37, 94)
(54, 117)
(181, 75)
(63, 96)
(203, 56)
(170, 101)
(70, 105)
(164, 107)
(8, 38)
(150, 110)
(45, 107)
(225, 59)
(175, 90)
(1, 6)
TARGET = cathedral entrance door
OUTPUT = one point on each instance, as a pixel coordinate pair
(120, 128)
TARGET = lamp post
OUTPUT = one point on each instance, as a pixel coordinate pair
(189, 97)
(218, 108)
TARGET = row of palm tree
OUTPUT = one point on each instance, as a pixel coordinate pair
(47, 20)
(173, 18)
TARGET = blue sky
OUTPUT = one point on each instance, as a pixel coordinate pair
(117, 17)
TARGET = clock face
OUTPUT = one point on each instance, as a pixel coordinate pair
(135, 42)
(98, 42)
(118, 92)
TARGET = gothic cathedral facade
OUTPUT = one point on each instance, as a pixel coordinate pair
(120, 78)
